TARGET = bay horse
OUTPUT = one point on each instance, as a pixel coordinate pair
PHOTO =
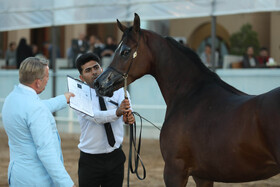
(211, 131)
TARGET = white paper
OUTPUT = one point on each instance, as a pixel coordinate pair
(82, 100)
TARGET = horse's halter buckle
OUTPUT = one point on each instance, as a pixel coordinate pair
(135, 53)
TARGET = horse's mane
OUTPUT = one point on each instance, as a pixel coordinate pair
(194, 57)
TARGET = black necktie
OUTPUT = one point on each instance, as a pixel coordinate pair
(108, 128)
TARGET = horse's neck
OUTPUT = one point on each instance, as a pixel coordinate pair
(174, 85)
(180, 74)
(174, 74)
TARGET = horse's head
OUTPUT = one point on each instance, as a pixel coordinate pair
(131, 60)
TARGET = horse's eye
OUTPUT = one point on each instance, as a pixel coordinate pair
(125, 52)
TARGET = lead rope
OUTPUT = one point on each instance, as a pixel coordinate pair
(132, 141)
(132, 127)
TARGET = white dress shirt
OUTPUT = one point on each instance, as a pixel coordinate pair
(93, 137)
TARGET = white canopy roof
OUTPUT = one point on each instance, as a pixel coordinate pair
(22, 14)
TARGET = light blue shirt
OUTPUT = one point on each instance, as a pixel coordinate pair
(35, 150)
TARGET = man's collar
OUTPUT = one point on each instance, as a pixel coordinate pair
(26, 88)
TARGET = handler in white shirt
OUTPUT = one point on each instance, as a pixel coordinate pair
(101, 164)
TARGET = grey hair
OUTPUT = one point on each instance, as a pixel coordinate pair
(32, 68)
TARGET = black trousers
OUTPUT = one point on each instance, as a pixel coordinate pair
(105, 170)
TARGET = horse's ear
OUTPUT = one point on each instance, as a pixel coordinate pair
(121, 26)
(136, 24)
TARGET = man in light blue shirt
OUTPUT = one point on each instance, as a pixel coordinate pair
(35, 150)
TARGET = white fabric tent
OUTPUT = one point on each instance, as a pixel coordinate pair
(23, 14)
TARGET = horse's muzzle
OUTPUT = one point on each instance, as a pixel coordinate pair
(107, 83)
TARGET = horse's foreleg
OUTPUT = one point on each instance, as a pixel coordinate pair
(175, 174)
(203, 183)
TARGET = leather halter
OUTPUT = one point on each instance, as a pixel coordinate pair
(125, 75)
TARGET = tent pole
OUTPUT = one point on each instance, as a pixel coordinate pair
(53, 60)
(213, 38)
(53, 52)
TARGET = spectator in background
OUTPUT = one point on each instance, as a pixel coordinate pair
(263, 56)
(11, 55)
(249, 60)
(206, 56)
(36, 52)
(95, 45)
(91, 43)
(48, 46)
(23, 51)
(108, 52)
(79, 47)
(110, 47)
(99, 46)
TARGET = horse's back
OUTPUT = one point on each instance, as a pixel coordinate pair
(271, 101)
(238, 134)
(269, 120)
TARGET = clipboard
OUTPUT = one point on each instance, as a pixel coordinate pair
(82, 101)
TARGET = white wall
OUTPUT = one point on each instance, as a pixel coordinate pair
(145, 94)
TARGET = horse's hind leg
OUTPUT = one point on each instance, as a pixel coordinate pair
(203, 183)
(175, 175)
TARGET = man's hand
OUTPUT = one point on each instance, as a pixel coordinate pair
(128, 118)
(68, 95)
(123, 108)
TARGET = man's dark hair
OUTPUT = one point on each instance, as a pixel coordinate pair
(263, 49)
(84, 58)
(208, 45)
(11, 44)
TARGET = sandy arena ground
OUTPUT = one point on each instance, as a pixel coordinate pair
(150, 154)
